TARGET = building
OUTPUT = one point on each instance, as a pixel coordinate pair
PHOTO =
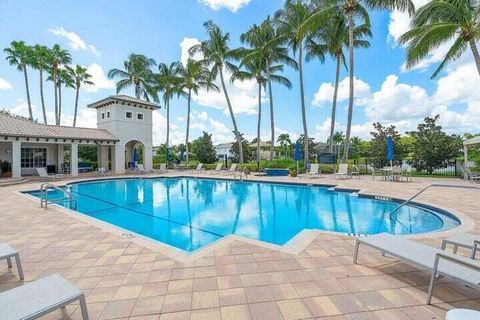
(264, 150)
(123, 123)
(223, 150)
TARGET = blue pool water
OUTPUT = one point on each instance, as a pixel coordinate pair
(189, 213)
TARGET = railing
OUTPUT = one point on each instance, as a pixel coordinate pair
(409, 199)
(44, 195)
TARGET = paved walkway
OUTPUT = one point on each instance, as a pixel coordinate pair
(123, 279)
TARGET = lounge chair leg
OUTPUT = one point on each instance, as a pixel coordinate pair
(444, 245)
(9, 263)
(19, 266)
(455, 249)
(474, 250)
(83, 307)
(432, 280)
(383, 254)
(355, 252)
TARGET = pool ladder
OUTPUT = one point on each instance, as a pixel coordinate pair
(241, 175)
(44, 195)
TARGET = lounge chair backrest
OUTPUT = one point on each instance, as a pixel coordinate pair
(140, 167)
(397, 170)
(218, 167)
(233, 167)
(42, 172)
(163, 166)
(355, 168)
(314, 168)
(101, 169)
(343, 168)
(199, 166)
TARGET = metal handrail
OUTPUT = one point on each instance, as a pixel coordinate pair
(44, 187)
(409, 199)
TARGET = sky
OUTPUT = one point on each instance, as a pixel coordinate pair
(101, 34)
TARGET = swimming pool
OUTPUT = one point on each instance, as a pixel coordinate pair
(189, 213)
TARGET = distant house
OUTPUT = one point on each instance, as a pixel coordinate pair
(223, 150)
(264, 150)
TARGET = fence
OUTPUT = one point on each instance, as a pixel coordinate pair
(452, 170)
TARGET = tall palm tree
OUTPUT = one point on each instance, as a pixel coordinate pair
(58, 57)
(438, 22)
(284, 140)
(80, 76)
(217, 54)
(193, 77)
(63, 79)
(138, 74)
(356, 13)
(167, 80)
(20, 56)
(41, 58)
(331, 39)
(266, 44)
(290, 19)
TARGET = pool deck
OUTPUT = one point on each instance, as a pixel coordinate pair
(125, 277)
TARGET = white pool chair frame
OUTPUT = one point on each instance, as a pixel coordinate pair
(314, 171)
(464, 240)
(7, 252)
(42, 173)
(342, 171)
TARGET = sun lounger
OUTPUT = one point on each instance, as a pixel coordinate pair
(342, 171)
(462, 314)
(163, 167)
(218, 169)
(199, 168)
(7, 252)
(233, 169)
(355, 172)
(464, 240)
(437, 261)
(141, 168)
(102, 172)
(314, 171)
(40, 297)
(42, 173)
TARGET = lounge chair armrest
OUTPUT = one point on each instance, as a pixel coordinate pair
(461, 260)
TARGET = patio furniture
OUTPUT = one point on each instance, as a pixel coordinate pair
(199, 168)
(40, 297)
(375, 173)
(163, 168)
(7, 252)
(397, 174)
(462, 314)
(141, 168)
(42, 173)
(217, 169)
(408, 174)
(471, 176)
(437, 261)
(102, 172)
(355, 172)
(464, 240)
(387, 173)
(84, 167)
(342, 171)
(313, 172)
(65, 168)
(233, 169)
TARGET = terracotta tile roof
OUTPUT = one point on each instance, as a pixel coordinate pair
(15, 127)
(122, 99)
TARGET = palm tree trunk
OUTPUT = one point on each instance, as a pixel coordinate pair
(476, 56)
(76, 106)
(272, 121)
(259, 123)
(137, 91)
(54, 79)
(302, 101)
(59, 103)
(188, 123)
(41, 97)
(351, 93)
(167, 105)
(232, 115)
(334, 106)
(30, 113)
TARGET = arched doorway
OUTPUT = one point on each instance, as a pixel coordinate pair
(134, 154)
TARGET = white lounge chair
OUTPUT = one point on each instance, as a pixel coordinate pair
(471, 176)
(218, 169)
(313, 172)
(163, 168)
(342, 171)
(102, 171)
(42, 173)
(199, 168)
(355, 172)
(40, 297)
(7, 252)
(233, 169)
(141, 168)
(462, 314)
(437, 261)
(464, 240)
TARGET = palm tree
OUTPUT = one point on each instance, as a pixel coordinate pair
(192, 77)
(167, 82)
(41, 58)
(266, 45)
(63, 79)
(80, 76)
(438, 22)
(284, 140)
(217, 54)
(58, 58)
(20, 56)
(355, 13)
(137, 73)
(331, 40)
(290, 19)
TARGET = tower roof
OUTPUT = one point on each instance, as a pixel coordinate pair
(124, 100)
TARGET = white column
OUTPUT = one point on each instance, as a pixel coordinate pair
(119, 159)
(60, 158)
(465, 162)
(103, 157)
(16, 159)
(148, 157)
(74, 159)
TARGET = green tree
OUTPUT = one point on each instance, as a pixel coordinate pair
(285, 142)
(203, 148)
(234, 150)
(192, 77)
(20, 56)
(441, 21)
(58, 57)
(433, 148)
(63, 79)
(311, 146)
(267, 47)
(138, 74)
(378, 145)
(217, 54)
(41, 58)
(80, 76)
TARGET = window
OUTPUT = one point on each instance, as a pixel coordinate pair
(128, 115)
(108, 114)
(33, 157)
(140, 116)
(103, 115)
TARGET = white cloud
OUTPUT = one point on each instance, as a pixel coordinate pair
(232, 5)
(5, 85)
(400, 22)
(99, 79)
(460, 84)
(74, 40)
(324, 95)
(185, 45)
(160, 130)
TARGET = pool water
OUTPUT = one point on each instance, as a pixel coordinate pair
(188, 213)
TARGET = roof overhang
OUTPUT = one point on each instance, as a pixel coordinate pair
(124, 100)
(472, 141)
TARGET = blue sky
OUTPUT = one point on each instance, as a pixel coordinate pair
(100, 35)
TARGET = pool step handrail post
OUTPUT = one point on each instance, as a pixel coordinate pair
(409, 200)
(44, 194)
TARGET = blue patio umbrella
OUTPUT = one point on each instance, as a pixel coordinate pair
(390, 151)
(181, 155)
(297, 153)
(135, 155)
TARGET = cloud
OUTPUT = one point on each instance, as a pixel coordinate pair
(232, 5)
(185, 45)
(160, 130)
(5, 85)
(400, 22)
(99, 79)
(324, 95)
(74, 40)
